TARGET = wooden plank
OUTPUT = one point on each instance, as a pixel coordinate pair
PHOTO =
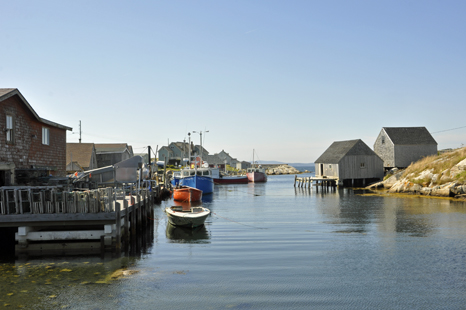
(66, 219)
(118, 227)
(63, 235)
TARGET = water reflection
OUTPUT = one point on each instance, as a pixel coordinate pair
(207, 198)
(352, 212)
(187, 235)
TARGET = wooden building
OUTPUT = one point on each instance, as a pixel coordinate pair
(111, 153)
(80, 157)
(352, 162)
(401, 146)
(31, 147)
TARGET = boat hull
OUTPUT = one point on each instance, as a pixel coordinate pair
(193, 217)
(205, 184)
(257, 177)
(231, 180)
(186, 193)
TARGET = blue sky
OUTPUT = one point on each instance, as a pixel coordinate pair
(286, 78)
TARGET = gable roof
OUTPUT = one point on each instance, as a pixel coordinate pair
(169, 150)
(6, 93)
(340, 149)
(111, 147)
(409, 135)
(213, 159)
(80, 153)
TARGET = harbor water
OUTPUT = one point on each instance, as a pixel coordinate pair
(269, 246)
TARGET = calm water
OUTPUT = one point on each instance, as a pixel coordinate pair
(271, 246)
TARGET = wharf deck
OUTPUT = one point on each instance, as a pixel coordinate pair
(66, 219)
(319, 180)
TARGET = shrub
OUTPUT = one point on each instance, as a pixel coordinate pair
(438, 163)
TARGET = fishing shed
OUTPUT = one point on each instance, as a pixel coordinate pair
(111, 153)
(401, 146)
(80, 157)
(352, 162)
(33, 148)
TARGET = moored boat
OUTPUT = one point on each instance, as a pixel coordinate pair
(228, 179)
(192, 217)
(186, 193)
(256, 173)
(200, 178)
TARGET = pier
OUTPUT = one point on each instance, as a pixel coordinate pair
(50, 219)
(323, 181)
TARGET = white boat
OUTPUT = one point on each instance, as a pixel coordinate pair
(187, 217)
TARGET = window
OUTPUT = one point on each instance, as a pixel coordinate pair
(45, 136)
(10, 134)
(383, 139)
(363, 165)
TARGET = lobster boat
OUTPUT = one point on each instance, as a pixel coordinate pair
(186, 193)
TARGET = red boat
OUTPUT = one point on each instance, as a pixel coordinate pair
(223, 178)
(231, 179)
(186, 193)
(256, 174)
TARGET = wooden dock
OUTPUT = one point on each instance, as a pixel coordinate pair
(323, 181)
(50, 219)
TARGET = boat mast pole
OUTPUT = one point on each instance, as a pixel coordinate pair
(189, 149)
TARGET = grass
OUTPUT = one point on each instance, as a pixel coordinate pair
(438, 164)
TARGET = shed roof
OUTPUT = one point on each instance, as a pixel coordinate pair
(409, 135)
(213, 159)
(80, 153)
(6, 93)
(111, 147)
(340, 149)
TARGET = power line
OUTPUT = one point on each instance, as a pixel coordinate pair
(449, 129)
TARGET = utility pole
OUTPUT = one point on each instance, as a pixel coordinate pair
(148, 153)
(79, 131)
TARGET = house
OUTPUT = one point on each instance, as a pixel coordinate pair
(111, 153)
(352, 162)
(227, 157)
(80, 157)
(175, 152)
(401, 146)
(214, 161)
(243, 165)
(31, 147)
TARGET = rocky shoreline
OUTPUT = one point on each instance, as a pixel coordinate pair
(281, 169)
(426, 182)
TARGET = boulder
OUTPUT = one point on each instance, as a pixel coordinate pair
(388, 183)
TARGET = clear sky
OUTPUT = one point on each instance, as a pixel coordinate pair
(286, 78)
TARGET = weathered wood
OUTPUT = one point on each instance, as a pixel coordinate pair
(62, 235)
(118, 227)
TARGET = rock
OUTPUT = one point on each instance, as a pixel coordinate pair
(425, 175)
(388, 183)
(426, 191)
